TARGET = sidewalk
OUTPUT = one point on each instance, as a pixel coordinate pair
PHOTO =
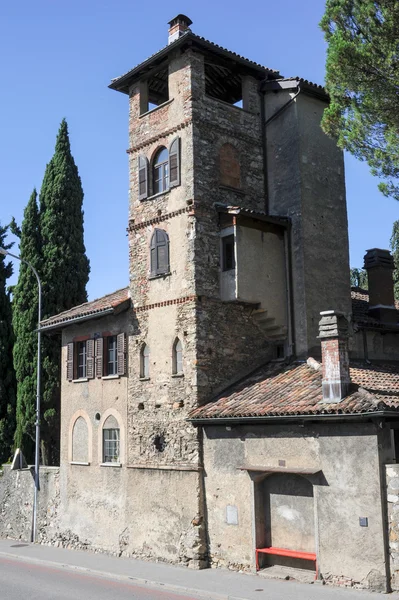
(217, 584)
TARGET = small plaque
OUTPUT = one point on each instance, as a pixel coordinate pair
(363, 521)
(231, 515)
(281, 463)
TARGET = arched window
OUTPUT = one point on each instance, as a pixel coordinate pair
(229, 165)
(159, 249)
(161, 171)
(80, 441)
(177, 357)
(145, 361)
(111, 440)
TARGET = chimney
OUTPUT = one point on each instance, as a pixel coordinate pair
(178, 27)
(379, 265)
(333, 334)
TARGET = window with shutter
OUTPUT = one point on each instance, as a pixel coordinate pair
(121, 358)
(90, 359)
(99, 344)
(81, 355)
(174, 163)
(70, 352)
(160, 171)
(143, 177)
(159, 252)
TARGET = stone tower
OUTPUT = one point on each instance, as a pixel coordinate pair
(219, 275)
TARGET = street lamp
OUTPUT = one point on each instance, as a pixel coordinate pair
(37, 423)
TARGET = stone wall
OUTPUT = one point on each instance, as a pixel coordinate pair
(16, 504)
(392, 482)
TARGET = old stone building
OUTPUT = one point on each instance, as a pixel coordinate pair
(198, 423)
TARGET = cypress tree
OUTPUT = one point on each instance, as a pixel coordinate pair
(395, 254)
(65, 272)
(7, 375)
(25, 307)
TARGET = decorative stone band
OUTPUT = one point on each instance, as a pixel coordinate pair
(135, 226)
(167, 303)
(160, 135)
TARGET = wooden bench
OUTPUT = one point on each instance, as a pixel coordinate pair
(285, 552)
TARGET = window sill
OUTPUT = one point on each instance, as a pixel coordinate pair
(77, 462)
(82, 380)
(159, 276)
(177, 375)
(156, 108)
(230, 188)
(164, 193)
(144, 378)
(110, 377)
(115, 464)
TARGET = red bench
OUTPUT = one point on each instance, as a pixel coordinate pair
(285, 552)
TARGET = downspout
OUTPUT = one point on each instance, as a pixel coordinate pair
(288, 236)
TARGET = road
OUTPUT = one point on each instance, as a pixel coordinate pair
(27, 581)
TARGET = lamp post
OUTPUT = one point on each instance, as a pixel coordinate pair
(37, 423)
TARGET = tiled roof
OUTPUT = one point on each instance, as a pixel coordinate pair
(201, 41)
(110, 303)
(360, 307)
(296, 389)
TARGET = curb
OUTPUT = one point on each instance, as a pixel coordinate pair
(138, 580)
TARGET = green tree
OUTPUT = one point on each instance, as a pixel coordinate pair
(65, 271)
(7, 375)
(359, 278)
(395, 254)
(25, 313)
(363, 82)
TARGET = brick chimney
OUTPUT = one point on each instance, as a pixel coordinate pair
(333, 334)
(379, 265)
(178, 27)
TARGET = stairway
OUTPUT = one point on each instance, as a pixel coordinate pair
(268, 324)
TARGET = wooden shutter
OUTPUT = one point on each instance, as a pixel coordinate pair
(143, 177)
(121, 349)
(174, 163)
(70, 361)
(162, 251)
(90, 359)
(99, 345)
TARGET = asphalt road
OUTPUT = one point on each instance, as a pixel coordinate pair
(28, 581)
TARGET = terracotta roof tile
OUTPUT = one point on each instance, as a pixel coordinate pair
(108, 303)
(202, 42)
(360, 307)
(296, 389)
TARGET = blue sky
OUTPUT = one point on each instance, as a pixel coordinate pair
(57, 60)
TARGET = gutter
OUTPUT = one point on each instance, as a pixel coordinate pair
(203, 422)
(67, 322)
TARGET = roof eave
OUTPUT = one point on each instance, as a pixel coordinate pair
(261, 420)
(73, 320)
(122, 83)
(276, 85)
